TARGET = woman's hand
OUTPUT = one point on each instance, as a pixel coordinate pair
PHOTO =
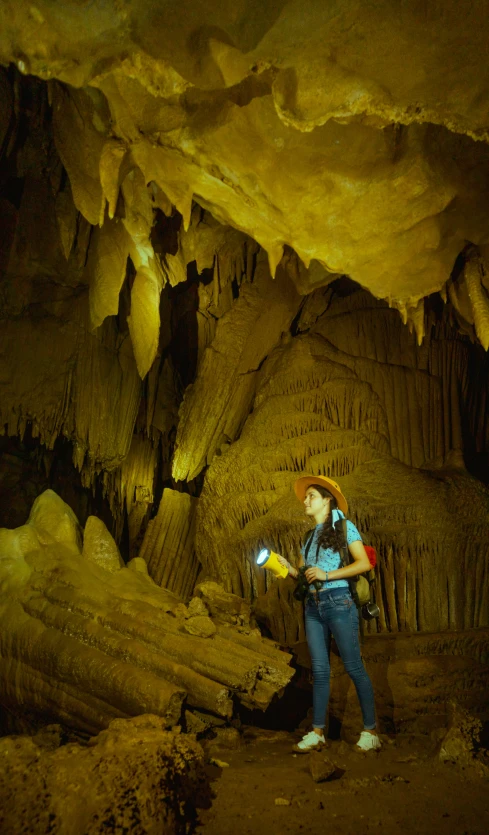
(292, 571)
(315, 573)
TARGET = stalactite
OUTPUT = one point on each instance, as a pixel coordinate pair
(130, 487)
(112, 171)
(479, 298)
(144, 321)
(74, 114)
(215, 407)
(106, 269)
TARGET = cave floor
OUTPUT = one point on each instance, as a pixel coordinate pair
(403, 788)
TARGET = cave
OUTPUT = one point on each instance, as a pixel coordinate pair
(240, 243)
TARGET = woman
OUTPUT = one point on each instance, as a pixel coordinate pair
(331, 610)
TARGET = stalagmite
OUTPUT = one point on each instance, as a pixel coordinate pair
(81, 645)
(99, 546)
(168, 545)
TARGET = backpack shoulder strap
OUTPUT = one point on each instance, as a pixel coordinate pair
(307, 542)
(344, 552)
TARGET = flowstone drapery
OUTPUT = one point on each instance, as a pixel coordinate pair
(168, 546)
(354, 398)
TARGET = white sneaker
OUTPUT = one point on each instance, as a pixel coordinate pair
(368, 742)
(310, 742)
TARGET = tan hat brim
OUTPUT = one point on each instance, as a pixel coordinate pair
(306, 481)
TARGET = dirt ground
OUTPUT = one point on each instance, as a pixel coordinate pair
(405, 788)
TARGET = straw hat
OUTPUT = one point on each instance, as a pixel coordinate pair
(302, 484)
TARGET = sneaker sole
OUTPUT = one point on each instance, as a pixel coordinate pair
(366, 750)
(308, 750)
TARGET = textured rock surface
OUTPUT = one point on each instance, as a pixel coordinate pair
(168, 545)
(229, 161)
(462, 742)
(135, 776)
(355, 398)
(378, 110)
(320, 766)
(99, 545)
(82, 646)
(417, 679)
(213, 409)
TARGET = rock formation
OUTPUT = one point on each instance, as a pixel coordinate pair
(168, 545)
(83, 645)
(239, 242)
(355, 398)
(377, 110)
(133, 776)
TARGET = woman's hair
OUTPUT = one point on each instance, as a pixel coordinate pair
(330, 536)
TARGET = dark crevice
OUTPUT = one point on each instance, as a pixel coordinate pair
(27, 468)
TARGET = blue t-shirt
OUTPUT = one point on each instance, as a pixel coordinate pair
(328, 559)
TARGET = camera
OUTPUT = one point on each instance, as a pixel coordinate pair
(302, 586)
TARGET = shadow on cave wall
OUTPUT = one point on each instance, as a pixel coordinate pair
(27, 468)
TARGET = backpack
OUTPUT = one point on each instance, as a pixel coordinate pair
(361, 585)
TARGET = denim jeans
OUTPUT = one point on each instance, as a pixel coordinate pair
(335, 614)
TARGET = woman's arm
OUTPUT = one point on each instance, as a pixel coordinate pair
(360, 564)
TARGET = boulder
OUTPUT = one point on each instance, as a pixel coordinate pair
(135, 776)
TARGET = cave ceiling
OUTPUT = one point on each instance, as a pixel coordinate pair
(353, 135)
(183, 189)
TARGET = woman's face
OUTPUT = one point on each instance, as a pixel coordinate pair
(315, 505)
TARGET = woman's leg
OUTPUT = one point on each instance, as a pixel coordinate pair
(343, 624)
(318, 639)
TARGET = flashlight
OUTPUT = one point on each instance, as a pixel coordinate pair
(269, 559)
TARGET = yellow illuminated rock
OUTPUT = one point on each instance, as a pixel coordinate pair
(99, 545)
(240, 242)
(82, 645)
(362, 404)
(168, 545)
